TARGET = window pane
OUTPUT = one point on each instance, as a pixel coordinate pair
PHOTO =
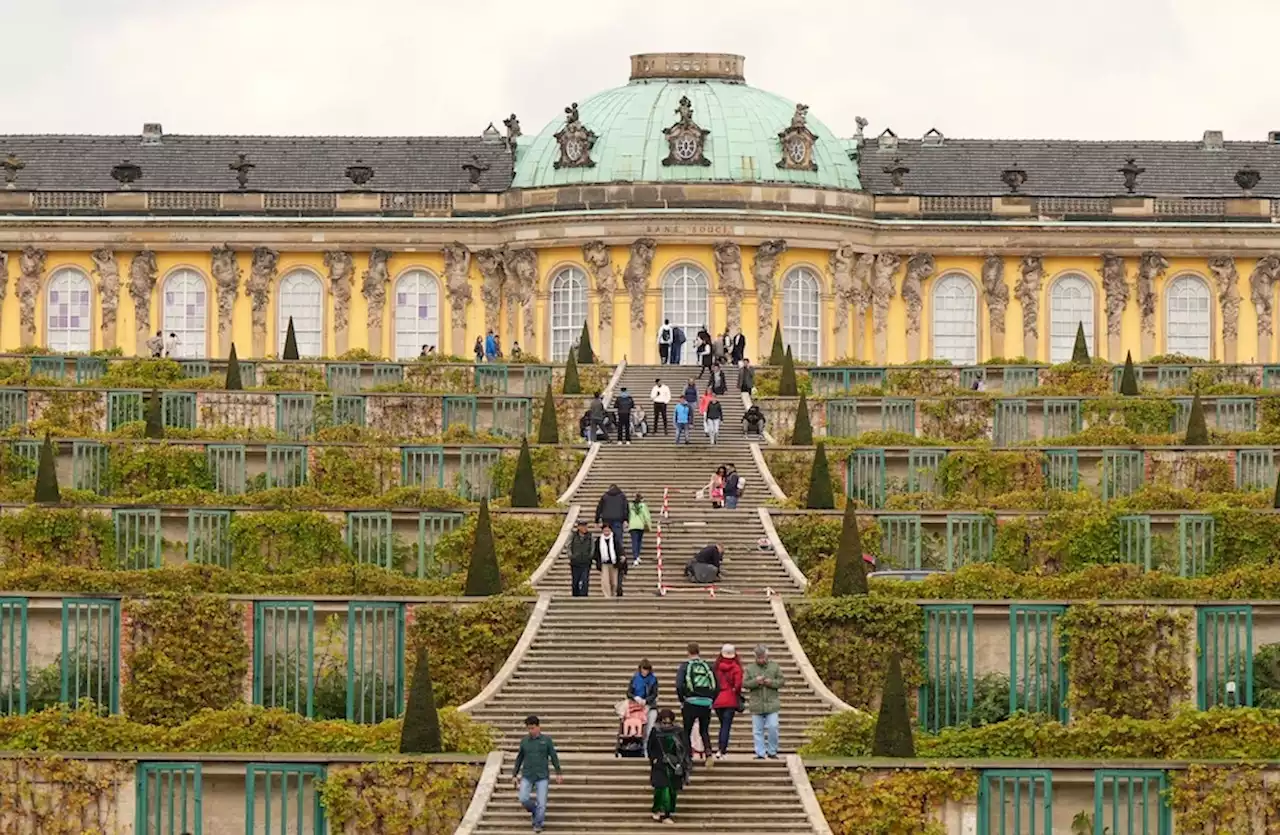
(186, 313)
(1187, 306)
(417, 312)
(955, 320)
(300, 297)
(800, 317)
(67, 319)
(1070, 305)
(684, 302)
(568, 310)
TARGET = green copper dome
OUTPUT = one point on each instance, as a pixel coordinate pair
(741, 144)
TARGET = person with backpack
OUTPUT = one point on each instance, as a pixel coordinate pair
(696, 688)
(763, 680)
(624, 404)
(669, 764)
(664, 342)
(728, 701)
(684, 421)
(733, 485)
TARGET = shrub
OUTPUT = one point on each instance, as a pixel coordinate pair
(787, 383)
(421, 731)
(802, 433)
(1129, 377)
(776, 351)
(1197, 429)
(893, 723)
(820, 492)
(233, 371)
(290, 343)
(46, 536)
(281, 541)
(585, 355)
(548, 428)
(47, 475)
(155, 420)
(524, 493)
(137, 470)
(571, 383)
(483, 576)
(467, 644)
(850, 577)
(1080, 351)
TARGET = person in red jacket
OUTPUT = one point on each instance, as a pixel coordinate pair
(729, 698)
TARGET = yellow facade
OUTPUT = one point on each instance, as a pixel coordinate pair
(669, 255)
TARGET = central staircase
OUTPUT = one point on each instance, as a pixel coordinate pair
(585, 649)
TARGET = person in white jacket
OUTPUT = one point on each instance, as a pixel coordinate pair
(661, 396)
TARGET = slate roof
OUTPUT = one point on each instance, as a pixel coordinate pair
(1066, 168)
(282, 163)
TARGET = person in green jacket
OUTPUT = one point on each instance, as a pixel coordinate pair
(639, 520)
(536, 752)
(762, 680)
(581, 556)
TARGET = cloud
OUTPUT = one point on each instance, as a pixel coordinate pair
(998, 68)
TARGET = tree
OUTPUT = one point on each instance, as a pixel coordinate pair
(571, 384)
(787, 386)
(47, 475)
(893, 723)
(524, 491)
(155, 417)
(585, 355)
(850, 575)
(802, 433)
(1080, 351)
(1197, 430)
(483, 577)
(233, 371)
(820, 495)
(776, 351)
(548, 427)
(1129, 377)
(290, 343)
(420, 733)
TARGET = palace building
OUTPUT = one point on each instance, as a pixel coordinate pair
(683, 194)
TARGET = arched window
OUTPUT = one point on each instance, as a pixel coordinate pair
(417, 313)
(684, 302)
(1070, 305)
(185, 312)
(301, 297)
(800, 319)
(568, 311)
(69, 303)
(955, 320)
(1187, 310)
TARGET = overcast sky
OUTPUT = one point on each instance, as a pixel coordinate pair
(1120, 69)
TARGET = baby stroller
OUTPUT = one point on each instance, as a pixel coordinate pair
(631, 729)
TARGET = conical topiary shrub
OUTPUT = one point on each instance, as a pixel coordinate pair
(787, 386)
(420, 733)
(1080, 351)
(483, 577)
(820, 495)
(802, 434)
(155, 417)
(524, 490)
(1129, 377)
(776, 352)
(850, 576)
(893, 723)
(290, 343)
(1275, 501)
(585, 355)
(233, 371)
(548, 426)
(1197, 429)
(571, 384)
(47, 475)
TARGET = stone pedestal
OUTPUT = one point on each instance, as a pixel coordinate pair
(1113, 347)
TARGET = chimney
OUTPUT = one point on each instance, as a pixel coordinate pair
(152, 133)
(1273, 137)
(1212, 140)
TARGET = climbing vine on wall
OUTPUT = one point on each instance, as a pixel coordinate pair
(467, 645)
(55, 796)
(1126, 660)
(58, 536)
(860, 802)
(1217, 800)
(184, 653)
(419, 798)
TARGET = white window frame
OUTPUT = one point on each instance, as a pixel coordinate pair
(1188, 318)
(802, 314)
(1072, 300)
(65, 338)
(954, 319)
(192, 329)
(686, 296)
(300, 294)
(568, 309)
(420, 288)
